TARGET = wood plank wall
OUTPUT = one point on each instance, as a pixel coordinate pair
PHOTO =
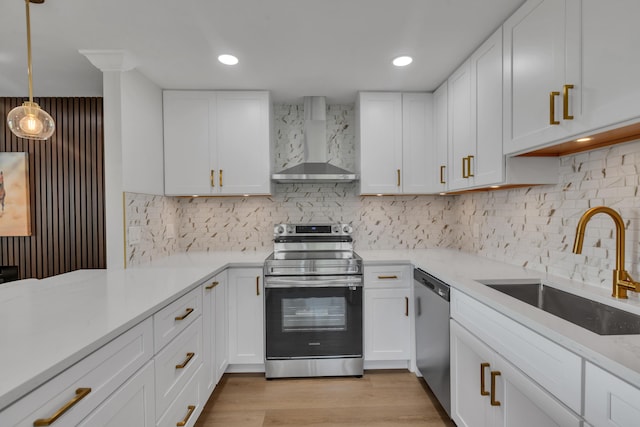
(66, 181)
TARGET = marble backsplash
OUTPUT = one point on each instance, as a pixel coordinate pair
(532, 227)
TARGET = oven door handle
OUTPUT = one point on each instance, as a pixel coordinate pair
(279, 282)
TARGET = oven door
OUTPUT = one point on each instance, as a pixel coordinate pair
(313, 321)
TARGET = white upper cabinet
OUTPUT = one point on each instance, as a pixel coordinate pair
(461, 138)
(395, 133)
(440, 123)
(217, 142)
(541, 65)
(610, 62)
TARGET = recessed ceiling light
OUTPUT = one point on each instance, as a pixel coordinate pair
(583, 139)
(228, 59)
(402, 61)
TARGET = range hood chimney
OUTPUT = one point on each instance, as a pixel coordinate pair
(315, 167)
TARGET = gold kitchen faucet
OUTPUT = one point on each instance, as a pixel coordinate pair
(622, 281)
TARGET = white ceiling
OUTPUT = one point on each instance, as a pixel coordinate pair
(290, 47)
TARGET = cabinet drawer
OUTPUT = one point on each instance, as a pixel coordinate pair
(176, 364)
(174, 318)
(609, 401)
(187, 406)
(553, 367)
(102, 372)
(387, 276)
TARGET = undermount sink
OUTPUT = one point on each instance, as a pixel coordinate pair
(592, 315)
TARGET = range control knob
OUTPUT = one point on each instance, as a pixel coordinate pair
(335, 229)
(279, 229)
(290, 229)
(347, 229)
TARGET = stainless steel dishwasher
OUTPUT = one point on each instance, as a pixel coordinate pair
(432, 334)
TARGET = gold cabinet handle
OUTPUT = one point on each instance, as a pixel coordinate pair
(387, 277)
(398, 177)
(494, 374)
(406, 306)
(212, 285)
(186, 361)
(565, 102)
(442, 181)
(81, 393)
(220, 177)
(469, 173)
(212, 178)
(184, 422)
(483, 392)
(258, 285)
(464, 167)
(552, 108)
(184, 316)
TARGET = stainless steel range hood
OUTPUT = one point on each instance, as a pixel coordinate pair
(315, 167)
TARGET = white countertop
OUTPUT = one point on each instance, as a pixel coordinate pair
(48, 325)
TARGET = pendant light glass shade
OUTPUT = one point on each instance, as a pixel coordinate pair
(29, 120)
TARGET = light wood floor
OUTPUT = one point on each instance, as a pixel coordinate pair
(379, 398)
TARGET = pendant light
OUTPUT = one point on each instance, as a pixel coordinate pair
(29, 120)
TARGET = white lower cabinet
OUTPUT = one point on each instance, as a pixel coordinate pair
(214, 331)
(609, 401)
(387, 315)
(246, 318)
(133, 404)
(187, 406)
(489, 391)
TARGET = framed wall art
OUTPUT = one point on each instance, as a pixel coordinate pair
(15, 203)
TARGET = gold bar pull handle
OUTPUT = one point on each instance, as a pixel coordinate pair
(186, 361)
(469, 173)
(258, 285)
(81, 393)
(552, 108)
(387, 277)
(442, 181)
(494, 374)
(483, 366)
(565, 102)
(212, 178)
(185, 420)
(220, 177)
(398, 177)
(464, 167)
(406, 306)
(212, 285)
(184, 316)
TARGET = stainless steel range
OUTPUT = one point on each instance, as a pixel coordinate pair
(313, 302)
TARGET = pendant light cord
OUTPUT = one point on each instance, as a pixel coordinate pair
(29, 71)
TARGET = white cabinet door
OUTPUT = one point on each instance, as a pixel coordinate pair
(214, 331)
(418, 161)
(246, 316)
(387, 325)
(380, 134)
(441, 143)
(242, 137)
(487, 167)
(133, 404)
(461, 136)
(610, 63)
(541, 54)
(187, 140)
(609, 401)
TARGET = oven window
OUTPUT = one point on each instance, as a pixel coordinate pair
(314, 314)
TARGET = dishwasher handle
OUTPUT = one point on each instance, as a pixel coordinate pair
(434, 284)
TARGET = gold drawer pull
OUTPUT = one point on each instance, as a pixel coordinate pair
(184, 316)
(442, 181)
(258, 285)
(464, 167)
(220, 177)
(494, 374)
(565, 102)
(212, 285)
(387, 277)
(406, 306)
(398, 177)
(483, 392)
(552, 108)
(469, 173)
(212, 178)
(184, 422)
(81, 393)
(186, 361)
